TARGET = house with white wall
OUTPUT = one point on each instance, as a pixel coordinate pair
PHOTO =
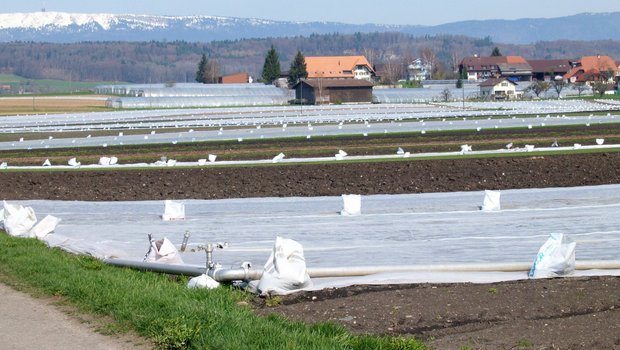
(498, 89)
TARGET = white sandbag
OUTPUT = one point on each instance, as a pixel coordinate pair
(3, 165)
(203, 281)
(74, 163)
(400, 151)
(104, 161)
(340, 155)
(45, 226)
(465, 149)
(18, 220)
(285, 270)
(278, 158)
(491, 201)
(202, 162)
(577, 146)
(47, 163)
(171, 162)
(600, 141)
(173, 211)
(212, 158)
(164, 252)
(113, 160)
(352, 204)
(555, 258)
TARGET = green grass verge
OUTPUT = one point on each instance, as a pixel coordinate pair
(162, 309)
(46, 85)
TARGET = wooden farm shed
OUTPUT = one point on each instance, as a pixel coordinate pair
(326, 91)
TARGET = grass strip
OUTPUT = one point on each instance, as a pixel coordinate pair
(162, 309)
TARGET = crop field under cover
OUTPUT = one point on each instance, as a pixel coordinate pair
(422, 229)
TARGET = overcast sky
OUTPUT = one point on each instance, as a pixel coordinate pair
(348, 11)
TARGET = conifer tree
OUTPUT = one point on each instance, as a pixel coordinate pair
(202, 69)
(271, 68)
(298, 69)
(496, 52)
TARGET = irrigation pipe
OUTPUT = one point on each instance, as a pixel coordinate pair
(227, 275)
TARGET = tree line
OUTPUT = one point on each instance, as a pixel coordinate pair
(157, 62)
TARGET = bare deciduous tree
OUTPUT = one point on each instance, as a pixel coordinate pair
(393, 70)
(558, 85)
(445, 95)
(600, 87)
(428, 55)
(538, 87)
(581, 87)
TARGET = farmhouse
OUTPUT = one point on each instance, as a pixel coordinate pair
(326, 91)
(339, 67)
(498, 89)
(479, 68)
(593, 68)
(419, 70)
(548, 70)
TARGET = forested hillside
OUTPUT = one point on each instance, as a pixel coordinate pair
(151, 62)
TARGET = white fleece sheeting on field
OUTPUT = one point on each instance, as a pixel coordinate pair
(411, 229)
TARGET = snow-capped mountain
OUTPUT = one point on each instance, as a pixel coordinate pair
(75, 27)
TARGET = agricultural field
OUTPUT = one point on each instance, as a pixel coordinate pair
(36, 104)
(542, 314)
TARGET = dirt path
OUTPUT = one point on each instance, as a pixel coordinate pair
(31, 323)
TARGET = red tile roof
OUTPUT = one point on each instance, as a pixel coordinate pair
(337, 83)
(548, 66)
(593, 65)
(485, 63)
(334, 66)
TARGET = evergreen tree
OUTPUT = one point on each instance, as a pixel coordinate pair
(271, 68)
(298, 69)
(496, 52)
(208, 71)
(202, 70)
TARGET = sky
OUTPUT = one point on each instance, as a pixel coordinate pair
(411, 12)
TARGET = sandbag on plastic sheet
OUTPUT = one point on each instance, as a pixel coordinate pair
(203, 281)
(173, 211)
(18, 220)
(45, 226)
(164, 252)
(285, 270)
(555, 258)
(491, 201)
(351, 204)
(107, 161)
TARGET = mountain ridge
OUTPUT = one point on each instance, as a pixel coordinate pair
(62, 27)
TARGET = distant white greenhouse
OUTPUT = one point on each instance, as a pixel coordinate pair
(195, 95)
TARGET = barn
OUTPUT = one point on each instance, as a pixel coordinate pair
(328, 91)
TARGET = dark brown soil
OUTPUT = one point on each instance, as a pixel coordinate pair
(570, 313)
(315, 180)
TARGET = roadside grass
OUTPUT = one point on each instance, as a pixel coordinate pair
(163, 309)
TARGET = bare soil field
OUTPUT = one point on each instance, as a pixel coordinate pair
(570, 313)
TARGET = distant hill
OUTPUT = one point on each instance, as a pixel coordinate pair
(59, 27)
(163, 61)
